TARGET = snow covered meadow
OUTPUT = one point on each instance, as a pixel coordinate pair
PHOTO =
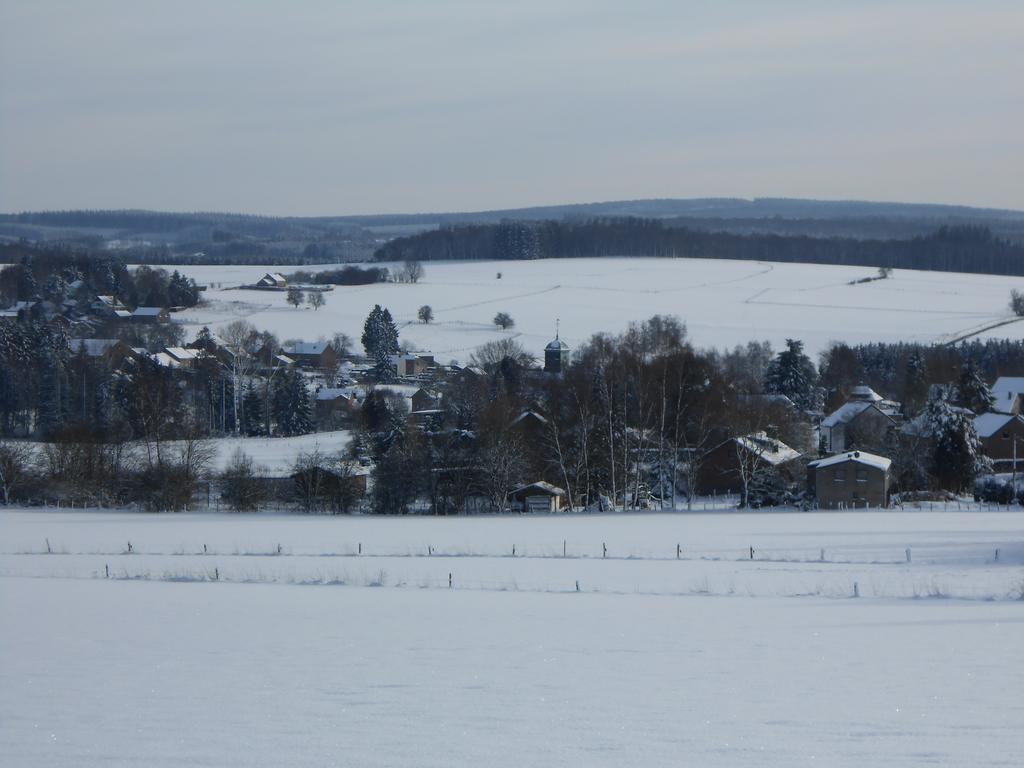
(563, 640)
(722, 302)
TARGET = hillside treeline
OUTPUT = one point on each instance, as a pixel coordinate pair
(950, 249)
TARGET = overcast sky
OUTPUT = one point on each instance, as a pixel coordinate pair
(340, 107)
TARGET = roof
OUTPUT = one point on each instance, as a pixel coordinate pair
(306, 348)
(180, 353)
(851, 409)
(147, 311)
(333, 393)
(274, 276)
(864, 393)
(91, 347)
(541, 487)
(987, 424)
(556, 345)
(526, 415)
(858, 457)
(770, 449)
(1006, 389)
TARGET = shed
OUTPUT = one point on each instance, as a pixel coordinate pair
(537, 498)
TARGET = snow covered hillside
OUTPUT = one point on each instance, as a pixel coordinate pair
(722, 302)
(321, 656)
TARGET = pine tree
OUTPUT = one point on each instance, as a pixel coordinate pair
(380, 334)
(972, 391)
(252, 412)
(291, 405)
(792, 374)
(957, 452)
(915, 388)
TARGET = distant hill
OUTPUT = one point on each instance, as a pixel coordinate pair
(243, 238)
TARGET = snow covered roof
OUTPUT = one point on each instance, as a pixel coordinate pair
(556, 345)
(541, 486)
(332, 393)
(987, 424)
(91, 347)
(306, 348)
(1005, 391)
(864, 393)
(527, 415)
(858, 457)
(852, 408)
(162, 358)
(147, 311)
(771, 450)
(180, 353)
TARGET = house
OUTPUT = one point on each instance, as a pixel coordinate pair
(724, 467)
(536, 497)
(106, 306)
(1002, 439)
(556, 356)
(412, 364)
(1008, 392)
(150, 315)
(423, 399)
(272, 280)
(112, 350)
(312, 354)
(185, 358)
(332, 403)
(850, 480)
(863, 420)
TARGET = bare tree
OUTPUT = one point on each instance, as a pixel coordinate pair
(504, 321)
(411, 272)
(240, 339)
(295, 296)
(425, 313)
(15, 467)
(242, 488)
(501, 467)
(316, 299)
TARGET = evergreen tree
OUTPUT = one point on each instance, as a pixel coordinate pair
(252, 412)
(957, 453)
(792, 374)
(915, 387)
(972, 391)
(290, 405)
(380, 334)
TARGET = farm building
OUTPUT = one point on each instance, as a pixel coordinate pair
(863, 420)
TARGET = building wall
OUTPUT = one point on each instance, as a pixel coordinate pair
(999, 447)
(861, 486)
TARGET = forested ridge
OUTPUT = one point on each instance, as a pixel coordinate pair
(968, 248)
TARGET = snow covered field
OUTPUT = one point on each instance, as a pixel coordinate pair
(251, 655)
(722, 302)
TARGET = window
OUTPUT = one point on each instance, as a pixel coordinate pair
(839, 475)
(862, 475)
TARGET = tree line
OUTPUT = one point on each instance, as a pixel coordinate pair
(966, 248)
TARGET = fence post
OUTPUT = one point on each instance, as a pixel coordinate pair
(908, 554)
(856, 589)
(823, 554)
(563, 547)
(577, 585)
(360, 547)
(449, 581)
(997, 555)
(216, 574)
(48, 550)
(679, 551)
(106, 570)
(604, 549)
(129, 547)
(751, 553)
(513, 550)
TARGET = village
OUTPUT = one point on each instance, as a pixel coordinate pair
(642, 421)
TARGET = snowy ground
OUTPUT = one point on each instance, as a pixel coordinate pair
(244, 656)
(277, 455)
(722, 302)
